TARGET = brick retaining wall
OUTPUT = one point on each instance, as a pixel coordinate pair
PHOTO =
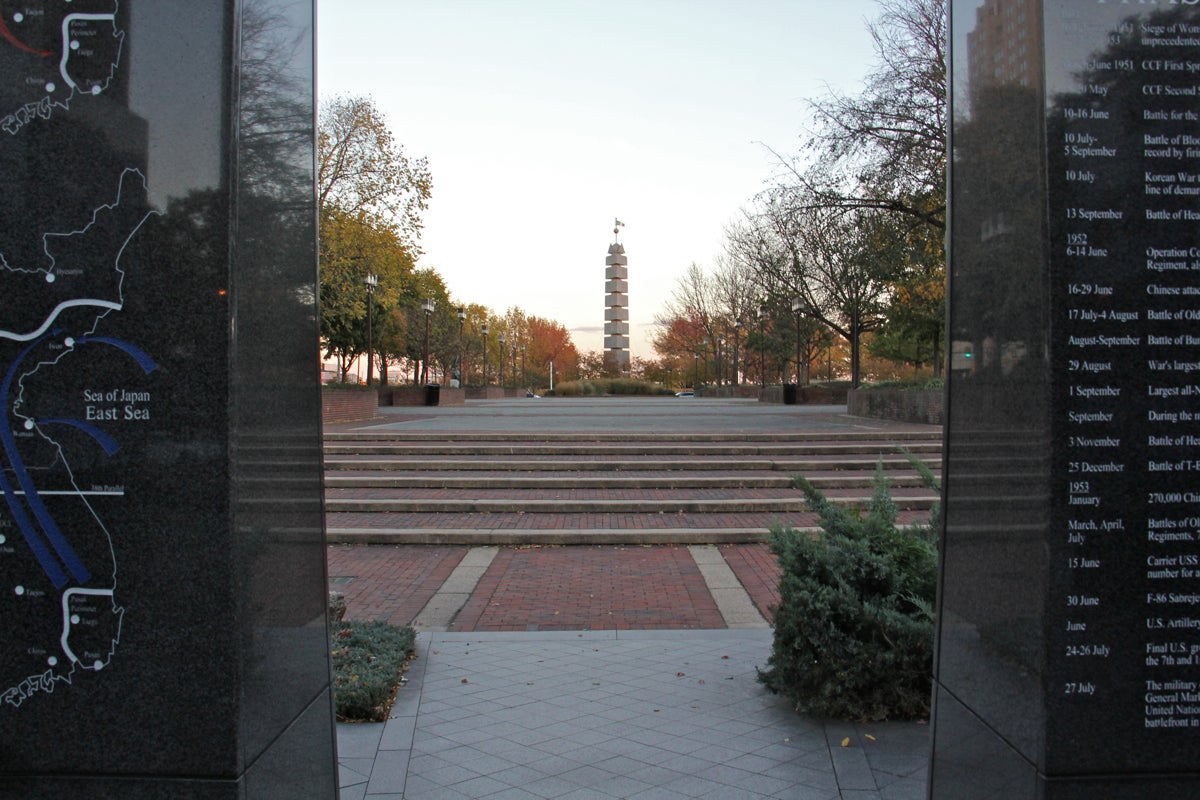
(805, 395)
(913, 405)
(419, 396)
(345, 405)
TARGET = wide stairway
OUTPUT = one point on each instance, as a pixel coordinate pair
(595, 488)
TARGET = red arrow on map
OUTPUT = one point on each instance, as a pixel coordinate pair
(7, 34)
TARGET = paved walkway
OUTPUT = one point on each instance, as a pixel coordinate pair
(594, 672)
(663, 715)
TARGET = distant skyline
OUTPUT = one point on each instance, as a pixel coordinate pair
(543, 120)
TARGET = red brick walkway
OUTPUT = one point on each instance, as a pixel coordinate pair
(590, 588)
(390, 582)
(551, 588)
(757, 568)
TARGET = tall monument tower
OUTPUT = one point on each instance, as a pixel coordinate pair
(616, 303)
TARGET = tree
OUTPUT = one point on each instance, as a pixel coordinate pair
(854, 226)
(679, 341)
(363, 170)
(836, 262)
(885, 149)
(370, 198)
(549, 342)
(350, 248)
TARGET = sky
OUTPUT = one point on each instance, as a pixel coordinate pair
(543, 121)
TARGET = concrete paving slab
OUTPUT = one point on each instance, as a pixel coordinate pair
(692, 721)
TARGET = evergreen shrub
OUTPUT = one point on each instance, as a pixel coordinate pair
(854, 625)
(368, 658)
(609, 386)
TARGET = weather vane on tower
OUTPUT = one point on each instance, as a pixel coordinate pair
(617, 225)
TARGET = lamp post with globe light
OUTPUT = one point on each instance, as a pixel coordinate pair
(762, 347)
(484, 331)
(500, 379)
(428, 306)
(371, 281)
(797, 309)
(462, 373)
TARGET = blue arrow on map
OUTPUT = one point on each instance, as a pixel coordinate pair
(143, 359)
(107, 442)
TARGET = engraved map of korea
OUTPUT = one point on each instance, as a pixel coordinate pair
(60, 280)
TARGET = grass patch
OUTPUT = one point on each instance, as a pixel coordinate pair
(368, 661)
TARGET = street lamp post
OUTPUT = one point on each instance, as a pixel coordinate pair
(797, 307)
(500, 358)
(484, 330)
(371, 281)
(762, 347)
(462, 373)
(428, 306)
(737, 334)
(720, 359)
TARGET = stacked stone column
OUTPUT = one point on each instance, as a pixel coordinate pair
(616, 307)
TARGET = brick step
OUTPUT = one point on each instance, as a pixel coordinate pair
(481, 505)
(554, 536)
(570, 528)
(568, 480)
(550, 436)
(791, 465)
(640, 449)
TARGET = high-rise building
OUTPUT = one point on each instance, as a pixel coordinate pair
(1005, 46)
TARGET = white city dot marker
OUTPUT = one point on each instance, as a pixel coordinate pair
(52, 660)
(28, 424)
(69, 341)
(75, 45)
(3, 538)
(96, 89)
(18, 17)
(97, 665)
(50, 277)
(20, 590)
(49, 87)
(74, 619)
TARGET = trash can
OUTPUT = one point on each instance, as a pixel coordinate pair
(433, 394)
(789, 394)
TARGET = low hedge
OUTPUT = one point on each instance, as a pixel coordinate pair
(609, 386)
(368, 660)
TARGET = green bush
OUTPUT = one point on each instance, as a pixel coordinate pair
(368, 658)
(609, 386)
(854, 625)
(930, 384)
(347, 387)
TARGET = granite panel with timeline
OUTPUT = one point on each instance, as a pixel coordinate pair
(1071, 635)
(1123, 145)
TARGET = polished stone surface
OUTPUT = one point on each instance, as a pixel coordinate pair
(1041, 664)
(161, 556)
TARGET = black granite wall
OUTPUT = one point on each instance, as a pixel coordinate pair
(1068, 634)
(162, 571)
